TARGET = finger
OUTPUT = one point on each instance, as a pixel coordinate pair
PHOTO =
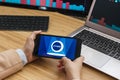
(65, 60)
(79, 59)
(61, 69)
(34, 33)
(60, 63)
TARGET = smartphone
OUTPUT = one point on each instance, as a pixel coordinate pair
(53, 46)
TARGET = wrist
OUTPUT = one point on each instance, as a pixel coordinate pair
(29, 55)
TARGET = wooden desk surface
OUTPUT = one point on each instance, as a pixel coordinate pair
(43, 69)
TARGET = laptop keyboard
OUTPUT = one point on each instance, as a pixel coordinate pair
(25, 23)
(102, 44)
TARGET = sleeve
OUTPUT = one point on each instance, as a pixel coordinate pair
(10, 62)
(22, 56)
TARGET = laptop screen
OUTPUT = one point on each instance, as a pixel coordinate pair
(107, 14)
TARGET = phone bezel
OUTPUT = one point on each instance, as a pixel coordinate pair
(37, 41)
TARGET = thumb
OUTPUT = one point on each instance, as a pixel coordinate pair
(65, 60)
(79, 59)
(34, 33)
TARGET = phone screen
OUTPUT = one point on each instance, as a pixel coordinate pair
(57, 46)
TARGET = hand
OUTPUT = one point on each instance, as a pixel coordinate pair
(72, 69)
(29, 46)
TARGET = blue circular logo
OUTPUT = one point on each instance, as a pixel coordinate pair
(57, 46)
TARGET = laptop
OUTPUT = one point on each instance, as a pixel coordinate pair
(101, 37)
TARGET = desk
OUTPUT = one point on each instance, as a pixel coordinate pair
(44, 68)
